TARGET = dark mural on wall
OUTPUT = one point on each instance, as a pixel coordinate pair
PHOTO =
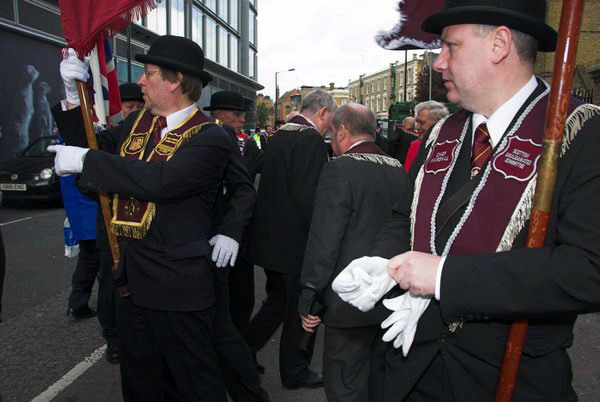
(30, 85)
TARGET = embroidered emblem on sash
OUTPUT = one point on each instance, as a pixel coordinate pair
(135, 143)
(519, 159)
(442, 157)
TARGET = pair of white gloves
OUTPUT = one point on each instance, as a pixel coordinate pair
(366, 280)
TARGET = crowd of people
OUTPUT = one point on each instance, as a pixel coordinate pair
(409, 250)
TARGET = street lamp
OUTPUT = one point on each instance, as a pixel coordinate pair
(277, 90)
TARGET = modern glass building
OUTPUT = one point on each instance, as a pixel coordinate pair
(31, 39)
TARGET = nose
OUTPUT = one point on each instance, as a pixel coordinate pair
(142, 80)
(441, 61)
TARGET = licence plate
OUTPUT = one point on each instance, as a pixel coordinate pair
(13, 187)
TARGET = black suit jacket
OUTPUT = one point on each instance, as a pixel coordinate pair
(170, 268)
(354, 201)
(548, 286)
(285, 200)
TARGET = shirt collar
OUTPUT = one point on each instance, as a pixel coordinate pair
(357, 143)
(175, 119)
(308, 120)
(501, 118)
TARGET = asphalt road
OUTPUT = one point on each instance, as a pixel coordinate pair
(42, 350)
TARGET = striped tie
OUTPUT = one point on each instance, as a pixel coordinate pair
(161, 122)
(482, 149)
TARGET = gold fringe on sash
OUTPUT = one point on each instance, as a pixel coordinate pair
(375, 158)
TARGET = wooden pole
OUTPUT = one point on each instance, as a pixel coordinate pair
(564, 65)
(93, 144)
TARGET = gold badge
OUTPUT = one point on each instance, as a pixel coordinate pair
(132, 207)
(135, 144)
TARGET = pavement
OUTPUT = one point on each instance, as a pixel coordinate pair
(46, 355)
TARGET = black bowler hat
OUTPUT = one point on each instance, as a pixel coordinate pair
(227, 100)
(527, 16)
(178, 54)
(130, 91)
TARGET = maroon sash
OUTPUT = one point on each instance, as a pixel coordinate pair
(132, 217)
(501, 202)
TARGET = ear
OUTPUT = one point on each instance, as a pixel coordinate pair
(174, 85)
(501, 40)
(322, 113)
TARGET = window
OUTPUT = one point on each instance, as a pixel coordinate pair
(252, 27)
(197, 26)
(210, 45)
(233, 53)
(211, 5)
(156, 20)
(234, 12)
(251, 64)
(223, 9)
(223, 47)
(136, 71)
(177, 18)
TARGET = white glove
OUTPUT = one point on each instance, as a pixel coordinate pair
(68, 159)
(402, 323)
(225, 250)
(72, 69)
(363, 282)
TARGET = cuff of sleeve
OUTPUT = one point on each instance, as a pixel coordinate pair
(438, 278)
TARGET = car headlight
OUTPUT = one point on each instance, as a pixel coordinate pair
(46, 174)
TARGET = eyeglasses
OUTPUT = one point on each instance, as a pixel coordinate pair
(148, 73)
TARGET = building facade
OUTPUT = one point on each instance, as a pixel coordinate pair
(31, 33)
(379, 89)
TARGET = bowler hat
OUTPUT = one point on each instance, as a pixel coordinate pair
(130, 91)
(178, 54)
(227, 100)
(527, 16)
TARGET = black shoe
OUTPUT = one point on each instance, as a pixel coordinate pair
(260, 368)
(312, 380)
(82, 313)
(112, 352)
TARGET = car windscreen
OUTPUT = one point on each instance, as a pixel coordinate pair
(38, 147)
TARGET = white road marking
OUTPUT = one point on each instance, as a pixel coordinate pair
(15, 221)
(71, 376)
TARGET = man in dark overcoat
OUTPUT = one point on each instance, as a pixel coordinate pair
(164, 166)
(355, 197)
(467, 219)
(279, 230)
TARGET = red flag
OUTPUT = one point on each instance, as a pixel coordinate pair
(407, 34)
(88, 22)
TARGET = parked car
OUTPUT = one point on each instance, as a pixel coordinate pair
(30, 175)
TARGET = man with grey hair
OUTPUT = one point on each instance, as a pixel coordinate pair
(427, 114)
(344, 225)
(279, 230)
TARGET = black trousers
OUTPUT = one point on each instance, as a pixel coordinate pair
(84, 275)
(354, 364)
(434, 385)
(239, 371)
(241, 293)
(167, 355)
(107, 296)
(281, 306)
(2, 270)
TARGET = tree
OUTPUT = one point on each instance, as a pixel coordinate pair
(438, 90)
(262, 114)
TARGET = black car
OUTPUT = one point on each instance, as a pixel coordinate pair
(30, 175)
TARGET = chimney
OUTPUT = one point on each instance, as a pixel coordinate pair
(331, 86)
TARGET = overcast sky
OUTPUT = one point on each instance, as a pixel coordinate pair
(324, 40)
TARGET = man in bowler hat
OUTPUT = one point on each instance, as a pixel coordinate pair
(470, 260)
(164, 165)
(132, 98)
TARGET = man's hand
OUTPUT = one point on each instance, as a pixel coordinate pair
(71, 70)
(415, 272)
(68, 159)
(310, 323)
(225, 250)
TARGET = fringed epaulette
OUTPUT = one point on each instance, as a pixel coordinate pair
(294, 127)
(575, 122)
(374, 158)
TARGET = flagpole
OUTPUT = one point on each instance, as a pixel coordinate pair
(93, 144)
(564, 65)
